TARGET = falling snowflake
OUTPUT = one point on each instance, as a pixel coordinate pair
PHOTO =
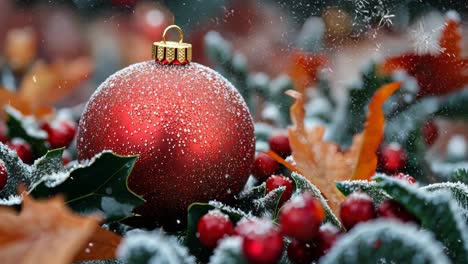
(425, 41)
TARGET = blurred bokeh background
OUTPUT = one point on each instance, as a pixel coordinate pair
(55, 53)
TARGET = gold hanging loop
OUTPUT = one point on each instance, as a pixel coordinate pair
(171, 52)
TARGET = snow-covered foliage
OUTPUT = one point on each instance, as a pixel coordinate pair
(384, 241)
(370, 188)
(152, 248)
(229, 251)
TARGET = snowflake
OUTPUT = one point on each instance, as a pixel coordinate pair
(425, 41)
(386, 19)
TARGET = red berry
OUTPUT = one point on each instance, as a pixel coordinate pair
(406, 177)
(300, 217)
(262, 241)
(279, 143)
(301, 252)
(61, 133)
(264, 166)
(22, 148)
(392, 209)
(326, 238)
(212, 227)
(277, 181)
(430, 132)
(392, 158)
(66, 157)
(356, 208)
(3, 175)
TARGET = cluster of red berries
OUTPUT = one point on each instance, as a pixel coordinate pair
(263, 241)
(60, 134)
(359, 207)
(264, 165)
(300, 219)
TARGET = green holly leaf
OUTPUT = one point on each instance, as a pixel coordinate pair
(458, 190)
(100, 185)
(26, 128)
(385, 241)
(369, 187)
(197, 211)
(259, 203)
(437, 213)
(460, 175)
(303, 185)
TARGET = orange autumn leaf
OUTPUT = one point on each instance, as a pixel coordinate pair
(323, 163)
(102, 245)
(303, 69)
(373, 133)
(43, 232)
(436, 74)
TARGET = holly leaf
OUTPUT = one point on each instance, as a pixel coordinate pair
(100, 185)
(369, 187)
(43, 232)
(437, 213)
(260, 203)
(303, 185)
(373, 133)
(18, 172)
(26, 127)
(458, 190)
(153, 247)
(384, 241)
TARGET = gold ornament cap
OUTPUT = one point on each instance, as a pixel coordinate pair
(171, 52)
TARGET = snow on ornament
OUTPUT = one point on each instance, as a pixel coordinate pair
(189, 125)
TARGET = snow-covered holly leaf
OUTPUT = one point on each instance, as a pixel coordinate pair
(369, 187)
(458, 190)
(303, 185)
(197, 211)
(437, 213)
(229, 251)
(43, 232)
(26, 127)
(437, 74)
(18, 172)
(49, 164)
(260, 203)
(153, 247)
(384, 241)
(322, 162)
(461, 175)
(99, 185)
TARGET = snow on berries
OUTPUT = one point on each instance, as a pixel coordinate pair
(277, 181)
(212, 227)
(357, 208)
(300, 218)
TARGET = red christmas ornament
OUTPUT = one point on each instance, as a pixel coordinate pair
(3, 175)
(190, 126)
(212, 227)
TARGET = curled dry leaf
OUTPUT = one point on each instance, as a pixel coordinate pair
(47, 232)
(303, 69)
(323, 163)
(373, 133)
(437, 74)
